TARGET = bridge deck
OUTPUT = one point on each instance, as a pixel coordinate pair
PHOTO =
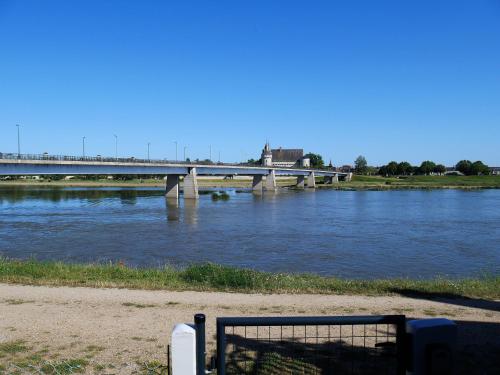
(26, 167)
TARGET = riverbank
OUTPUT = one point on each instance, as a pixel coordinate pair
(420, 182)
(123, 331)
(357, 183)
(217, 278)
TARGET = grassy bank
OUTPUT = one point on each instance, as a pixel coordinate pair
(211, 277)
(357, 183)
(422, 182)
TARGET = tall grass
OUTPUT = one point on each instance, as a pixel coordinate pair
(213, 277)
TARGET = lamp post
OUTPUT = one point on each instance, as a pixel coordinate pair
(185, 147)
(149, 144)
(18, 142)
(116, 146)
(210, 158)
(83, 146)
(175, 150)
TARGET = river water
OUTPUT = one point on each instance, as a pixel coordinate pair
(354, 234)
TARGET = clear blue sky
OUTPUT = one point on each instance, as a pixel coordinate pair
(391, 80)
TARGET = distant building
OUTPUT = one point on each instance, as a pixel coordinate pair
(282, 157)
(346, 168)
(495, 171)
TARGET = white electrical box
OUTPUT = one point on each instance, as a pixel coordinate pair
(431, 346)
(183, 350)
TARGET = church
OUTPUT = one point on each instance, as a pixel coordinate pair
(282, 157)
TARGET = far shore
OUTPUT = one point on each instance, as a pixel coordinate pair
(357, 183)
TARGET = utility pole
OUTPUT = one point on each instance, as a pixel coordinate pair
(149, 144)
(219, 156)
(116, 146)
(210, 153)
(83, 146)
(185, 147)
(175, 151)
(18, 142)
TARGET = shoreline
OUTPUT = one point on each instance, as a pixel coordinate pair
(359, 183)
(211, 277)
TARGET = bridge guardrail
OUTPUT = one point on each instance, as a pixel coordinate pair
(107, 159)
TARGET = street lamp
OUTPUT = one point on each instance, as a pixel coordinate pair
(175, 150)
(18, 142)
(210, 158)
(116, 146)
(185, 147)
(149, 144)
(83, 146)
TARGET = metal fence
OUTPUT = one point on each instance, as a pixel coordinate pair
(311, 345)
(107, 159)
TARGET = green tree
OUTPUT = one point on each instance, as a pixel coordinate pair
(392, 168)
(404, 168)
(316, 160)
(464, 166)
(440, 169)
(360, 165)
(427, 167)
(479, 168)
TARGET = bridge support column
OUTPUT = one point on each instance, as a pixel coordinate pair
(301, 182)
(172, 186)
(257, 184)
(271, 181)
(191, 185)
(348, 177)
(335, 179)
(311, 180)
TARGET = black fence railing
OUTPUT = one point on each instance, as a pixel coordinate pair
(311, 345)
(104, 159)
(98, 158)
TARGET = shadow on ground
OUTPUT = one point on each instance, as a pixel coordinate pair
(450, 298)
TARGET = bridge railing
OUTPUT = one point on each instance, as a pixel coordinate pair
(98, 158)
(104, 159)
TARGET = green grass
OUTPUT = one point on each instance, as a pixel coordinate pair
(421, 182)
(12, 347)
(213, 277)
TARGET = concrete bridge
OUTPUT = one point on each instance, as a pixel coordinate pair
(264, 178)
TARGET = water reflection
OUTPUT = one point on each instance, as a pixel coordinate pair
(191, 211)
(16, 194)
(172, 205)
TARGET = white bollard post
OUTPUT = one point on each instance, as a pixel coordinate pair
(183, 350)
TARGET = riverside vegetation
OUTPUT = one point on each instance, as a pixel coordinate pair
(213, 277)
(359, 182)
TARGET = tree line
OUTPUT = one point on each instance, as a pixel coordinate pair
(427, 167)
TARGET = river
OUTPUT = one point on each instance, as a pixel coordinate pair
(352, 234)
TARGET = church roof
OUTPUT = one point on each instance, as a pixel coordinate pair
(287, 155)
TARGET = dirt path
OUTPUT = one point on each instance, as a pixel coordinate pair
(119, 330)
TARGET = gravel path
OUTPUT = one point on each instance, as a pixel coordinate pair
(117, 330)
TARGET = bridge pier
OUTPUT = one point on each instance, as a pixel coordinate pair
(271, 181)
(301, 182)
(311, 180)
(331, 179)
(348, 177)
(257, 184)
(172, 186)
(191, 185)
